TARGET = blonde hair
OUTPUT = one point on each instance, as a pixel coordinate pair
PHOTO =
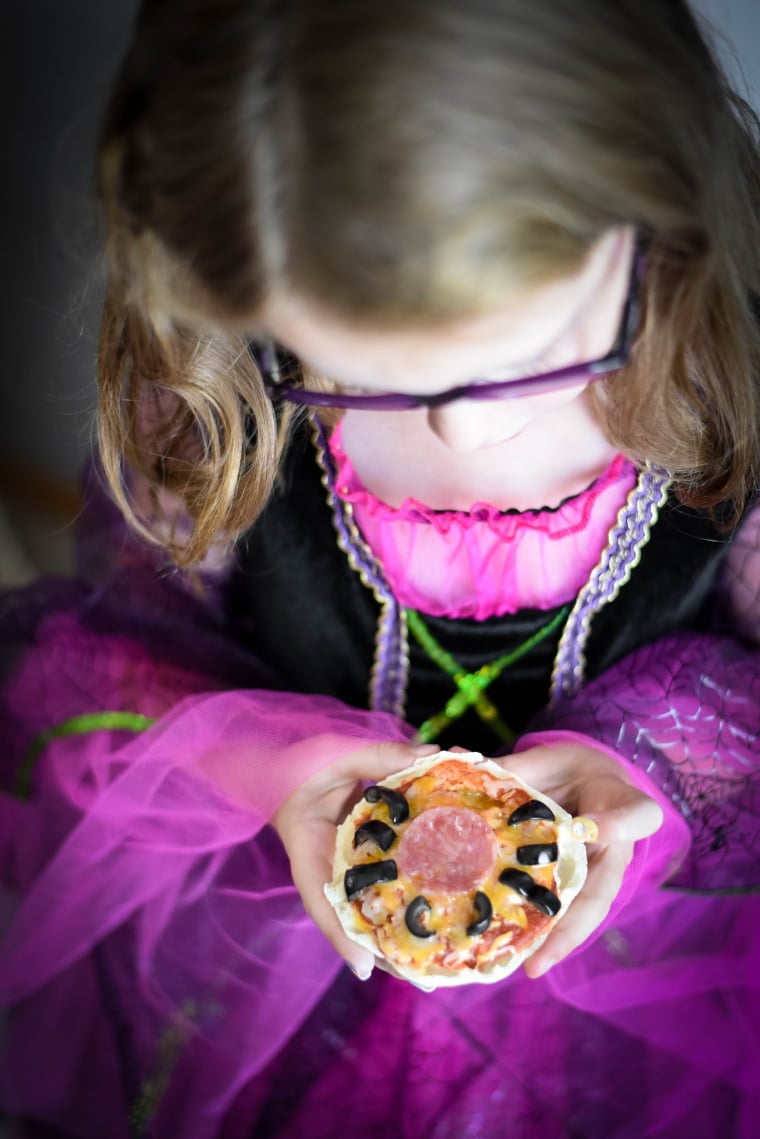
(409, 162)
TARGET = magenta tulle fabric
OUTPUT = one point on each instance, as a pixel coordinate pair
(485, 562)
(161, 979)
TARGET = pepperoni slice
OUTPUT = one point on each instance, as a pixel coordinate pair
(448, 849)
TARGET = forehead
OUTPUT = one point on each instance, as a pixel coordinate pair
(429, 355)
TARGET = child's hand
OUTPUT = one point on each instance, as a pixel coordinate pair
(587, 782)
(307, 820)
(583, 780)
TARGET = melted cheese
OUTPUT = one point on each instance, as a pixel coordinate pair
(380, 909)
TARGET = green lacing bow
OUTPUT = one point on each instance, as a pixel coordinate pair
(471, 686)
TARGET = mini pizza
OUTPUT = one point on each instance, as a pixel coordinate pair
(454, 870)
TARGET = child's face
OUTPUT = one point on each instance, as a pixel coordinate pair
(571, 320)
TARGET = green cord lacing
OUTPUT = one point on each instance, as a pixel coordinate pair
(471, 686)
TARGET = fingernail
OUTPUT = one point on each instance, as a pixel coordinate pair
(585, 829)
(425, 749)
(363, 972)
(544, 967)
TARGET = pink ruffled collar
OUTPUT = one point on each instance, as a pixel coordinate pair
(485, 562)
(570, 516)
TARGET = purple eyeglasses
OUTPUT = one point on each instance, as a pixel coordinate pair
(277, 364)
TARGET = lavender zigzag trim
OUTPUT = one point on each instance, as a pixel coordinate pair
(388, 685)
(620, 557)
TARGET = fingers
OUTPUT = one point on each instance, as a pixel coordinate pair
(545, 767)
(635, 816)
(310, 874)
(584, 780)
(588, 911)
(628, 816)
(306, 823)
(588, 782)
(375, 762)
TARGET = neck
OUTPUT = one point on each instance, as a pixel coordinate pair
(551, 458)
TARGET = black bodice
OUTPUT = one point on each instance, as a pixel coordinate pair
(301, 607)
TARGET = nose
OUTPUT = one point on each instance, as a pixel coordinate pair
(464, 425)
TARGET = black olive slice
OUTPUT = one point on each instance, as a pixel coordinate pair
(368, 874)
(375, 831)
(518, 881)
(544, 900)
(483, 915)
(530, 810)
(398, 808)
(418, 908)
(538, 896)
(534, 854)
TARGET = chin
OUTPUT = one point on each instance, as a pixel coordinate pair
(505, 438)
(465, 449)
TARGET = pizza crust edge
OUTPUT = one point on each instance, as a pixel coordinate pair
(572, 868)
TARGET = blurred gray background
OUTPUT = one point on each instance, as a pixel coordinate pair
(59, 55)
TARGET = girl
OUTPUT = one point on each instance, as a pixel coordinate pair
(429, 352)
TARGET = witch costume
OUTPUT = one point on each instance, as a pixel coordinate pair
(160, 976)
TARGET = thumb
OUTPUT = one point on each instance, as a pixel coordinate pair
(379, 761)
(634, 817)
(311, 883)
